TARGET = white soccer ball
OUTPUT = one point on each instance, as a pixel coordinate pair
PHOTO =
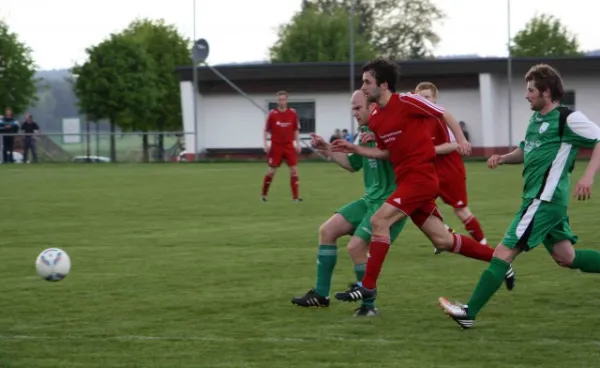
(53, 264)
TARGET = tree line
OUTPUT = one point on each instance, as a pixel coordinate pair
(128, 79)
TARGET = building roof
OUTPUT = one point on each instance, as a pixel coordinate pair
(413, 68)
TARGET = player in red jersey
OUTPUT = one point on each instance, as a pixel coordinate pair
(283, 126)
(450, 167)
(400, 126)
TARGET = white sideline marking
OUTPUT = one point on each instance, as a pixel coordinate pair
(268, 339)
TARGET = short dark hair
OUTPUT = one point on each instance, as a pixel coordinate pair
(546, 78)
(384, 71)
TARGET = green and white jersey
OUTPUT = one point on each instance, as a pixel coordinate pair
(378, 175)
(551, 148)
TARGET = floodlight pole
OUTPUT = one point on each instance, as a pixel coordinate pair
(352, 72)
(195, 78)
(510, 75)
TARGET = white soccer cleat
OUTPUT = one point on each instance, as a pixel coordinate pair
(458, 312)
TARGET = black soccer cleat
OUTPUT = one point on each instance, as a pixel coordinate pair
(355, 293)
(264, 198)
(458, 312)
(364, 311)
(509, 279)
(311, 299)
(297, 199)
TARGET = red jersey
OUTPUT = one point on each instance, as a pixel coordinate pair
(401, 128)
(282, 125)
(451, 165)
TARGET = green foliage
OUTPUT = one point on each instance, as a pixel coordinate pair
(398, 29)
(17, 71)
(315, 35)
(168, 49)
(118, 82)
(545, 36)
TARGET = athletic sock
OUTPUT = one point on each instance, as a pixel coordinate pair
(377, 251)
(490, 281)
(474, 228)
(266, 184)
(326, 260)
(470, 248)
(587, 260)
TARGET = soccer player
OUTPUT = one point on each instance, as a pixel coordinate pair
(354, 218)
(553, 138)
(450, 168)
(283, 126)
(399, 123)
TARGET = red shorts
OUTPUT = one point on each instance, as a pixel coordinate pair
(453, 191)
(416, 201)
(280, 152)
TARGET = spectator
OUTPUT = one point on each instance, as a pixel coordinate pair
(463, 127)
(30, 128)
(8, 127)
(336, 135)
(347, 136)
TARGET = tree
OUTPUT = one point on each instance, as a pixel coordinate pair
(118, 82)
(398, 29)
(315, 35)
(17, 70)
(544, 36)
(168, 49)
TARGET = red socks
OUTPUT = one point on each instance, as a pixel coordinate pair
(294, 185)
(377, 251)
(471, 248)
(266, 184)
(474, 228)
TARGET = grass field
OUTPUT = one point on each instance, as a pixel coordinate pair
(183, 266)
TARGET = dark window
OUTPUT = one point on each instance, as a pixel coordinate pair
(306, 114)
(569, 100)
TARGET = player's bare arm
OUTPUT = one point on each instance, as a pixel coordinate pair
(583, 127)
(463, 146)
(341, 145)
(266, 138)
(339, 158)
(297, 141)
(514, 158)
(446, 148)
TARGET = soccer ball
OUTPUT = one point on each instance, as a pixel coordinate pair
(53, 264)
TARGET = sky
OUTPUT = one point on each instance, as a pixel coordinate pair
(59, 31)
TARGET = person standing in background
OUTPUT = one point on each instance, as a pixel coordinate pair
(8, 127)
(30, 128)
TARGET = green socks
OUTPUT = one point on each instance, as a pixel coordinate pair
(326, 259)
(359, 270)
(587, 260)
(490, 281)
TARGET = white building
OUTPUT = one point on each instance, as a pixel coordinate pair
(474, 90)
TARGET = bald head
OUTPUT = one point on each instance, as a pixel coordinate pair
(360, 109)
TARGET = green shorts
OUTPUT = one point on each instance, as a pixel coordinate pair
(358, 213)
(539, 222)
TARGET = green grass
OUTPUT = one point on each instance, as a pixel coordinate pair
(183, 266)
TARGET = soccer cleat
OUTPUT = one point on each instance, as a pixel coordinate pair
(437, 251)
(297, 199)
(311, 299)
(509, 279)
(364, 311)
(355, 293)
(458, 312)
(264, 198)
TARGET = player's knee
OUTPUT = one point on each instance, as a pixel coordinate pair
(357, 250)
(563, 260)
(463, 213)
(271, 171)
(563, 253)
(379, 223)
(442, 240)
(327, 234)
(293, 170)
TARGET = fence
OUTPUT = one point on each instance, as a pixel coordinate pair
(95, 147)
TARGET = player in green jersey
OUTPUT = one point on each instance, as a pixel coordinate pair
(554, 135)
(354, 218)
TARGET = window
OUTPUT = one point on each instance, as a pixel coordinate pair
(306, 114)
(569, 100)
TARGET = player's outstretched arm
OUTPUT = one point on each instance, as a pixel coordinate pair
(583, 189)
(445, 148)
(342, 145)
(582, 132)
(463, 144)
(339, 158)
(515, 157)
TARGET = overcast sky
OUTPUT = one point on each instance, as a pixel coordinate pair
(58, 31)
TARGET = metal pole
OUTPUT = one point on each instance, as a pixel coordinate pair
(195, 77)
(352, 72)
(510, 75)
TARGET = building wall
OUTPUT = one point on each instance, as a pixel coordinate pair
(229, 121)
